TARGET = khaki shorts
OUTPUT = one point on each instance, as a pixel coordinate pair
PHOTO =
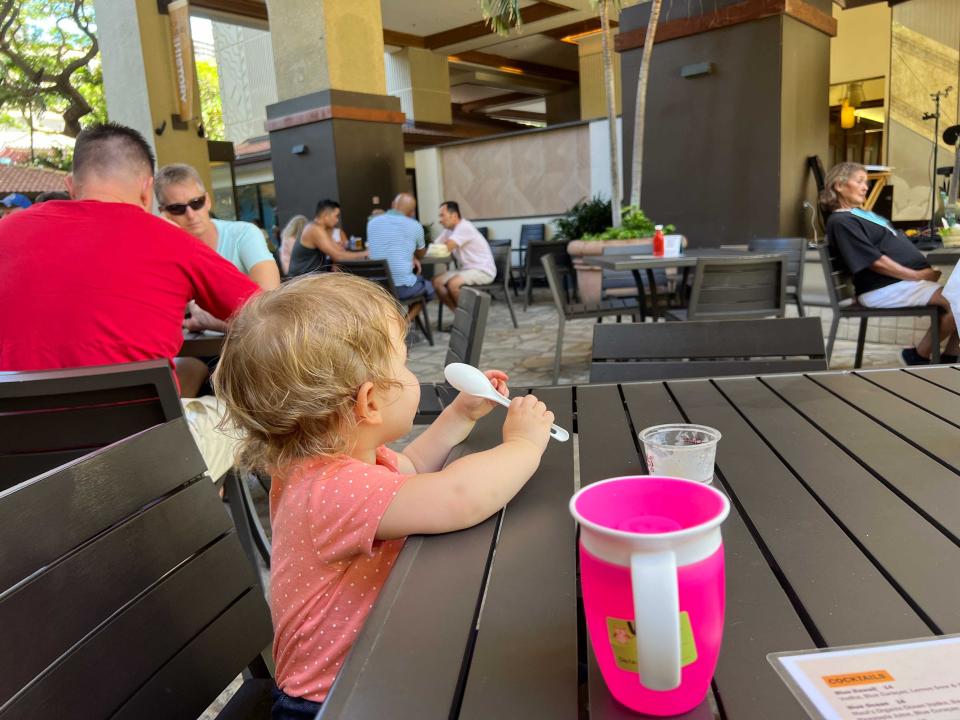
(203, 415)
(470, 277)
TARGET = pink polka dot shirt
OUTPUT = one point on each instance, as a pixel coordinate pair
(327, 567)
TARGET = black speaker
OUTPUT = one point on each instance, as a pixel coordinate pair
(884, 204)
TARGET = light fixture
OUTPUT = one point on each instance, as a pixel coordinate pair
(572, 39)
(510, 69)
(848, 117)
(855, 94)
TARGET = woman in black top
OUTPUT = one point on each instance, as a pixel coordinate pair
(316, 249)
(887, 269)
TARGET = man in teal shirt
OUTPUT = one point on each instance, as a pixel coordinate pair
(184, 201)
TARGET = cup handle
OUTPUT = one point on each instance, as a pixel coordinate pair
(656, 608)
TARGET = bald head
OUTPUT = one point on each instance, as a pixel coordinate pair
(405, 203)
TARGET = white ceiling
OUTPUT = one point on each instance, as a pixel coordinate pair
(465, 93)
(538, 48)
(426, 17)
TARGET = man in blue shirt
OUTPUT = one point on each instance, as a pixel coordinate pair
(397, 237)
(184, 201)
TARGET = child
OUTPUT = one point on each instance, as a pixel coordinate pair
(314, 374)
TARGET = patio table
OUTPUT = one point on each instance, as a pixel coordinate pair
(636, 263)
(201, 344)
(844, 529)
(944, 256)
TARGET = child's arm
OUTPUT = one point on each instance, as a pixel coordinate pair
(430, 450)
(476, 486)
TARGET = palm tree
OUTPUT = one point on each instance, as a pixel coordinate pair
(641, 109)
(502, 15)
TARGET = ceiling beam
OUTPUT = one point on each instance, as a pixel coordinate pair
(251, 9)
(519, 115)
(517, 67)
(503, 99)
(529, 14)
(392, 37)
(577, 28)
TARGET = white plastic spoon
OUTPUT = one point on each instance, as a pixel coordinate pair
(466, 378)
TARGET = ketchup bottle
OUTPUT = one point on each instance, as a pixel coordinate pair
(658, 241)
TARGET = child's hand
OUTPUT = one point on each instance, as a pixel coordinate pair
(474, 408)
(529, 420)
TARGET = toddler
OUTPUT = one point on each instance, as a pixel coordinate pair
(314, 374)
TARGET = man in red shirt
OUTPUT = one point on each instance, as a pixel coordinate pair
(99, 280)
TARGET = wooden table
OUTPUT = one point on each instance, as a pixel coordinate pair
(636, 263)
(844, 529)
(201, 344)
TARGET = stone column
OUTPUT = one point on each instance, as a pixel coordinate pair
(139, 76)
(593, 89)
(737, 100)
(334, 132)
(421, 79)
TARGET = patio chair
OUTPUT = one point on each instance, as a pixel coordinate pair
(661, 351)
(736, 288)
(140, 602)
(843, 304)
(580, 311)
(532, 232)
(501, 256)
(621, 283)
(485, 231)
(378, 271)
(533, 270)
(466, 342)
(50, 417)
(794, 249)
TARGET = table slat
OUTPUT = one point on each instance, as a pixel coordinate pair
(745, 681)
(918, 426)
(866, 507)
(932, 488)
(932, 398)
(607, 447)
(945, 377)
(407, 660)
(524, 663)
(826, 571)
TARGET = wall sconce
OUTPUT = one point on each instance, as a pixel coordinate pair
(848, 117)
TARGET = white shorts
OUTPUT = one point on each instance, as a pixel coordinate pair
(906, 293)
(203, 415)
(470, 277)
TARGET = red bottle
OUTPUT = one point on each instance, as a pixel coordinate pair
(658, 241)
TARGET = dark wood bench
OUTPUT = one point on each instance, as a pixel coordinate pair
(50, 417)
(660, 351)
(124, 591)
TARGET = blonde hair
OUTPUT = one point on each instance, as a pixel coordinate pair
(293, 361)
(837, 175)
(174, 174)
(288, 238)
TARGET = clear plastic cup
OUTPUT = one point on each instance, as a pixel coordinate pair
(680, 450)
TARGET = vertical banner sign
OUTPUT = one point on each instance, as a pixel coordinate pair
(184, 73)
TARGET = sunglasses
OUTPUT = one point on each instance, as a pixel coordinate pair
(180, 208)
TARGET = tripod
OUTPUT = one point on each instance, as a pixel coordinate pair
(935, 116)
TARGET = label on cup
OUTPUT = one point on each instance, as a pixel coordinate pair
(623, 642)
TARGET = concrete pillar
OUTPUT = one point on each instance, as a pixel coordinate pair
(563, 106)
(334, 132)
(138, 79)
(593, 91)
(734, 108)
(421, 79)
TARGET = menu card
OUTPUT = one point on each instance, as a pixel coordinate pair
(888, 681)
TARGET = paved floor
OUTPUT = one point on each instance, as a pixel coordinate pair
(526, 354)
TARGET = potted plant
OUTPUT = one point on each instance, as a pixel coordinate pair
(636, 228)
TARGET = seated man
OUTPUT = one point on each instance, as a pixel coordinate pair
(888, 270)
(101, 280)
(184, 201)
(471, 250)
(395, 236)
(321, 243)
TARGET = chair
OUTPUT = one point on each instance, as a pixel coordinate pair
(736, 288)
(662, 351)
(843, 304)
(621, 283)
(579, 311)
(50, 417)
(795, 251)
(485, 231)
(501, 257)
(466, 342)
(534, 270)
(378, 271)
(124, 592)
(533, 232)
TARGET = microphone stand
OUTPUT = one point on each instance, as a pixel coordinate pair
(935, 116)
